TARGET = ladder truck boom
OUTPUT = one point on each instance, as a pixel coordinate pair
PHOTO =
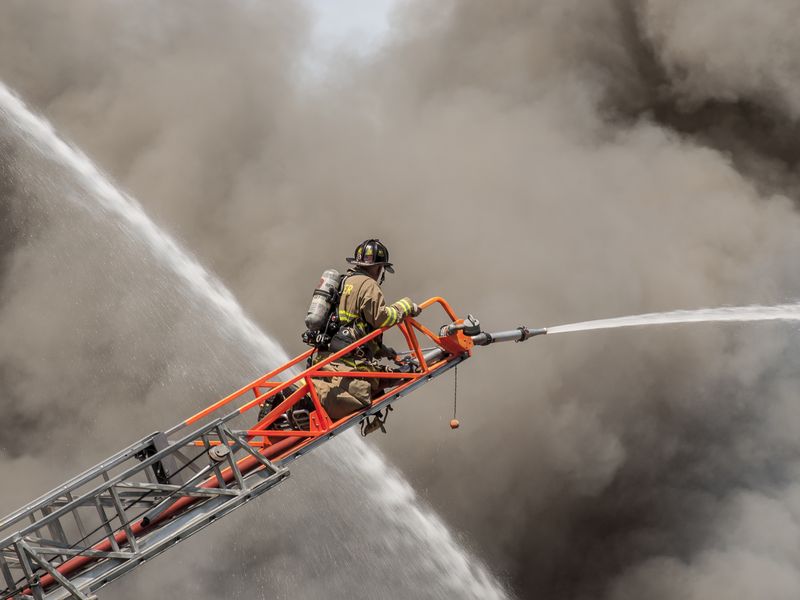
(143, 500)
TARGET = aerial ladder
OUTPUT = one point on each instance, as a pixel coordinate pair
(160, 490)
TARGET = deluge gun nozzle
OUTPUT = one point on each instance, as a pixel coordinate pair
(472, 328)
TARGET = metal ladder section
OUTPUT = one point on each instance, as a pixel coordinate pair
(126, 510)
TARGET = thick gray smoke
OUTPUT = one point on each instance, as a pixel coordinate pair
(539, 162)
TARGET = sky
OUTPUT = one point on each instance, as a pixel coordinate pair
(354, 24)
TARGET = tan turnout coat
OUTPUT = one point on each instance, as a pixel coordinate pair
(362, 306)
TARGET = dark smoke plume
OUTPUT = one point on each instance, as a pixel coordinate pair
(539, 162)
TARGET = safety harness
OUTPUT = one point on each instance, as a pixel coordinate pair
(350, 328)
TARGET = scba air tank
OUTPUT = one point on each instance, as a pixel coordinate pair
(321, 301)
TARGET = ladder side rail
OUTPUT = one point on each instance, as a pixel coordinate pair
(316, 370)
(253, 386)
(379, 405)
(407, 327)
(259, 398)
(97, 494)
(262, 428)
(112, 481)
(175, 530)
(168, 534)
(76, 482)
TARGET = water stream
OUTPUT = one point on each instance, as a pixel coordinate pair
(779, 312)
(416, 528)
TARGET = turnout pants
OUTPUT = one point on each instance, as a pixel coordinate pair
(342, 396)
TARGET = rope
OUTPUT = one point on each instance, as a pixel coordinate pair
(455, 391)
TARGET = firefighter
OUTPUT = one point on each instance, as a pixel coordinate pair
(362, 309)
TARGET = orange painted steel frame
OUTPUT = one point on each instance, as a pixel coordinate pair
(266, 387)
(454, 349)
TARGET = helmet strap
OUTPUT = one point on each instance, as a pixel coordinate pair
(382, 275)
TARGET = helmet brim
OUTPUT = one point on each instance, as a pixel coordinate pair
(388, 266)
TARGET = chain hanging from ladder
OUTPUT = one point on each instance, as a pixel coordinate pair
(454, 422)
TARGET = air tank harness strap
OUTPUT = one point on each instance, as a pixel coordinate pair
(378, 422)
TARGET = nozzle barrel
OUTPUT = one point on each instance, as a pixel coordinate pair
(520, 334)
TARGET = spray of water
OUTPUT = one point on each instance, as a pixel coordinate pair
(40, 134)
(456, 569)
(414, 525)
(780, 312)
